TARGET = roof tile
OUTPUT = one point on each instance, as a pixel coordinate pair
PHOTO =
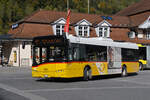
(31, 30)
(46, 16)
(138, 7)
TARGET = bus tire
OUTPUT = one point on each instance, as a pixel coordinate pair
(87, 74)
(140, 66)
(124, 71)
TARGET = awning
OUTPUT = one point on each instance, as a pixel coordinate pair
(9, 37)
(5, 37)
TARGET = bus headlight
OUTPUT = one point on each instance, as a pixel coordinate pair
(45, 76)
(34, 69)
(60, 71)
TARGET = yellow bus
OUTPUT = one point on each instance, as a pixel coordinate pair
(70, 57)
(144, 56)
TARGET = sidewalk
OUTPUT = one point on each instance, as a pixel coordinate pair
(15, 69)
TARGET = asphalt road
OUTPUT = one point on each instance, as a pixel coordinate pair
(17, 84)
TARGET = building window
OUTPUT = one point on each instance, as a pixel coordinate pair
(80, 30)
(103, 32)
(100, 32)
(148, 34)
(60, 29)
(83, 31)
(131, 34)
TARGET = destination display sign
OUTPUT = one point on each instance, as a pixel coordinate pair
(48, 41)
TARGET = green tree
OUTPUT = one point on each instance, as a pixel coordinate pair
(14, 10)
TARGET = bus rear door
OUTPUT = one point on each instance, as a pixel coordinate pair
(114, 60)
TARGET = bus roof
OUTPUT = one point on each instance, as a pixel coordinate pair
(102, 42)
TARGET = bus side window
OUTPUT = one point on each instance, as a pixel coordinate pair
(70, 54)
(129, 55)
(91, 54)
(102, 54)
(51, 53)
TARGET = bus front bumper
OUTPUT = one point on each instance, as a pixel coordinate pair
(49, 74)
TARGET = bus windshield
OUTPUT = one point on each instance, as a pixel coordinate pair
(49, 54)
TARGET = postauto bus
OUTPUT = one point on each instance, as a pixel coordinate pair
(70, 57)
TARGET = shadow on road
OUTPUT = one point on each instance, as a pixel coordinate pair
(95, 78)
(145, 69)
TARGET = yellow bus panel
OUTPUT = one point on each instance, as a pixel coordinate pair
(68, 70)
(76, 69)
(131, 66)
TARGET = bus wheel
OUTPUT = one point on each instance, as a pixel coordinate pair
(140, 66)
(124, 71)
(87, 74)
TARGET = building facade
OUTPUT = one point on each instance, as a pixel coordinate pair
(139, 15)
(119, 27)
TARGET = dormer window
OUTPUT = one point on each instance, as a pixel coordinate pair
(103, 29)
(83, 28)
(58, 26)
(83, 31)
(147, 33)
(100, 31)
(60, 29)
(148, 36)
(145, 27)
(106, 32)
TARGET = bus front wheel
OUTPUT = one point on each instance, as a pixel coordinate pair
(124, 71)
(87, 74)
(140, 66)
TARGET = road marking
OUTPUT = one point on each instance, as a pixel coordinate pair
(21, 93)
(92, 88)
(131, 81)
(15, 78)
